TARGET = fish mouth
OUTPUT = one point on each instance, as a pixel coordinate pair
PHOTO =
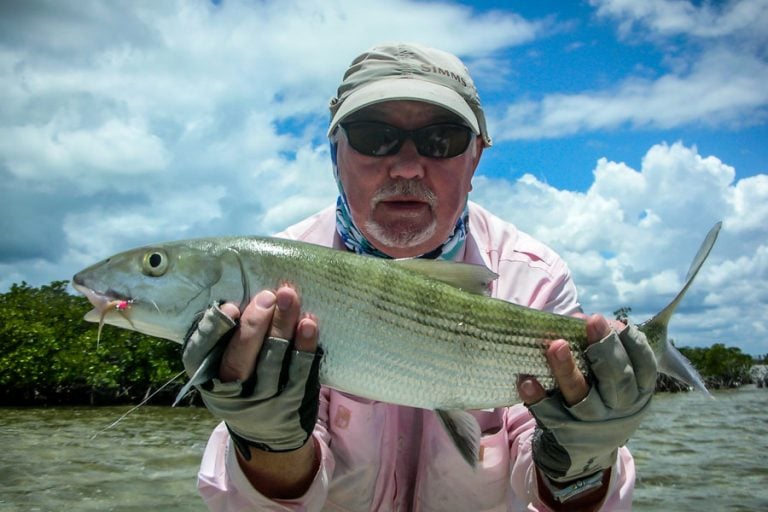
(103, 303)
(123, 311)
(99, 300)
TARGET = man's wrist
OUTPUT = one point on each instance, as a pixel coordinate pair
(572, 495)
(245, 445)
(567, 491)
(282, 475)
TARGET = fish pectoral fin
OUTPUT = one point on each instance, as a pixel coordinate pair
(207, 370)
(465, 276)
(93, 315)
(464, 431)
(184, 391)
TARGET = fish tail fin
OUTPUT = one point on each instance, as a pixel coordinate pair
(673, 363)
(670, 360)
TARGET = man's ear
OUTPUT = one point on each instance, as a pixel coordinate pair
(478, 153)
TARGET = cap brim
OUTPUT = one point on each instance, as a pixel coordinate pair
(405, 89)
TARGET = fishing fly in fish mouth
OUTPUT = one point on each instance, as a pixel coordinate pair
(459, 319)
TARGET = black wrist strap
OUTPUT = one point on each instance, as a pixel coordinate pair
(244, 446)
(573, 489)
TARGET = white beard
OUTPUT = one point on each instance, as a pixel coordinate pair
(402, 239)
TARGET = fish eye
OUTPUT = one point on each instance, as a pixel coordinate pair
(155, 263)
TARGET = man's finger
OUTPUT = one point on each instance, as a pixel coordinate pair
(231, 310)
(286, 314)
(530, 390)
(239, 358)
(306, 334)
(598, 328)
(569, 378)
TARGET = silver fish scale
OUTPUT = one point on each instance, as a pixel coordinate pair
(391, 334)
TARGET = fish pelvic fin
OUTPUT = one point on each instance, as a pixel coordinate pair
(464, 431)
(670, 361)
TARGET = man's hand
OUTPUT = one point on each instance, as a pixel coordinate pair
(571, 382)
(267, 390)
(580, 427)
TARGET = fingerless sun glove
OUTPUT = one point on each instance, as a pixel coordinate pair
(274, 410)
(574, 442)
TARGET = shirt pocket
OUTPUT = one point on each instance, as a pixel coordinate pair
(357, 430)
(448, 483)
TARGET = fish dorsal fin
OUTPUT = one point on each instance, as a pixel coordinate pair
(464, 276)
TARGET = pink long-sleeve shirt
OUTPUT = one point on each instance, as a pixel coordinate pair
(377, 456)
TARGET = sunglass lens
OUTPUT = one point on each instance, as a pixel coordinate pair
(442, 140)
(373, 139)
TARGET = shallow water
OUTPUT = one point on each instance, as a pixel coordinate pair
(48, 461)
(692, 454)
(697, 454)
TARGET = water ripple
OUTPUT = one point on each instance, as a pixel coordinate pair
(148, 462)
(696, 454)
(691, 454)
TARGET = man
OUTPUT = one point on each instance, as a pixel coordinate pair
(407, 133)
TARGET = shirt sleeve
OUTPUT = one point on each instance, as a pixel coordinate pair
(225, 488)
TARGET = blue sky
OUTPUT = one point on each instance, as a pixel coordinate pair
(622, 131)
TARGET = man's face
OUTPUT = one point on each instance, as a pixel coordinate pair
(406, 204)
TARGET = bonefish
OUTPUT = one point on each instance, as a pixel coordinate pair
(413, 332)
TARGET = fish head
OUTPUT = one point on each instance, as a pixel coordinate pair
(157, 290)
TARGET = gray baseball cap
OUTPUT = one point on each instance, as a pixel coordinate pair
(405, 71)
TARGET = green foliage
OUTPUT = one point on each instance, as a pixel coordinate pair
(622, 314)
(50, 354)
(720, 366)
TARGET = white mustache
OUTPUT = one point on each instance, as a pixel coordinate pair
(406, 188)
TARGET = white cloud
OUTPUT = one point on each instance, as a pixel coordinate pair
(739, 18)
(105, 229)
(85, 98)
(630, 238)
(717, 81)
(749, 203)
(117, 147)
(723, 87)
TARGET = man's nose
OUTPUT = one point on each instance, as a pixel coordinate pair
(407, 164)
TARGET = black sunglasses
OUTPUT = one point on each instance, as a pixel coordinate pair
(441, 140)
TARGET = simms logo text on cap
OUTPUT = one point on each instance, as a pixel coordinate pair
(426, 68)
